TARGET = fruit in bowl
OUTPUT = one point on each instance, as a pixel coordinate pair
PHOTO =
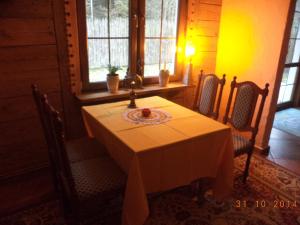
(146, 112)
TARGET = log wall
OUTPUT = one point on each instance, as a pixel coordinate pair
(28, 54)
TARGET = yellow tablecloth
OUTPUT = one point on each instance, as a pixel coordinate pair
(164, 156)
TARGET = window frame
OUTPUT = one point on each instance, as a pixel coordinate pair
(136, 43)
(296, 84)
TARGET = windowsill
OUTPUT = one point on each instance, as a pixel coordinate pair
(103, 96)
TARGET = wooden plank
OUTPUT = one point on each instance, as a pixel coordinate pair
(29, 65)
(18, 84)
(16, 32)
(206, 44)
(20, 132)
(28, 58)
(204, 61)
(25, 9)
(209, 2)
(20, 158)
(25, 53)
(205, 12)
(12, 109)
(205, 28)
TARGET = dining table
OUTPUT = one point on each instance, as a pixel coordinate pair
(172, 147)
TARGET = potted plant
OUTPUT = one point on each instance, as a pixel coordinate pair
(112, 79)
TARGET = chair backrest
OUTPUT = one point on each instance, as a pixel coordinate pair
(40, 101)
(244, 115)
(208, 88)
(37, 96)
(63, 168)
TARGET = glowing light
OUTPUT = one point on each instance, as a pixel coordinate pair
(189, 51)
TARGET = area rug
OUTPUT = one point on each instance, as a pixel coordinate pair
(270, 197)
(288, 120)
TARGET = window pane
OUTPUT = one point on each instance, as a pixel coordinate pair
(153, 18)
(119, 18)
(285, 76)
(281, 94)
(161, 26)
(119, 55)
(295, 26)
(293, 51)
(103, 29)
(169, 23)
(96, 15)
(152, 49)
(287, 84)
(292, 75)
(168, 54)
(98, 59)
(298, 6)
(288, 93)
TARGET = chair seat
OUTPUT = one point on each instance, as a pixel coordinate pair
(98, 182)
(84, 148)
(240, 144)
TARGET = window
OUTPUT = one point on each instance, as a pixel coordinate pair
(292, 63)
(138, 35)
(108, 36)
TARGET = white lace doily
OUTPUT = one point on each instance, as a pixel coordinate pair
(157, 116)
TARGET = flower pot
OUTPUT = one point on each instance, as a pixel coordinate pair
(112, 82)
(164, 78)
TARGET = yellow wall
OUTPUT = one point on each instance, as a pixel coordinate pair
(249, 46)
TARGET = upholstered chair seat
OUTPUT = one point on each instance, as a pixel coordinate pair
(97, 182)
(84, 148)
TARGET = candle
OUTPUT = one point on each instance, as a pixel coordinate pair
(165, 65)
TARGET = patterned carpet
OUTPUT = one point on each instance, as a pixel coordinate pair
(270, 197)
(288, 120)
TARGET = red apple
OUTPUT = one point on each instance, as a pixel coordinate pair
(146, 112)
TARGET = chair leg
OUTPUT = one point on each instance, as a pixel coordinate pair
(246, 171)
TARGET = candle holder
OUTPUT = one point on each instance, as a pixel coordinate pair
(132, 96)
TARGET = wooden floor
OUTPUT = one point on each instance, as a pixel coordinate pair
(285, 150)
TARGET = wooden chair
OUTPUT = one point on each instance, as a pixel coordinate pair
(89, 187)
(244, 117)
(206, 94)
(77, 149)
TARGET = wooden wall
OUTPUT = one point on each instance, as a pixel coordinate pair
(28, 54)
(202, 33)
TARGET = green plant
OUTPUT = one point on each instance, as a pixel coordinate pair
(113, 69)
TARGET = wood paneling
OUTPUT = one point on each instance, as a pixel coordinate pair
(33, 154)
(21, 31)
(208, 28)
(28, 54)
(25, 9)
(27, 58)
(25, 53)
(202, 32)
(47, 80)
(211, 2)
(20, 131)
(206, 11)
(18, 108)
